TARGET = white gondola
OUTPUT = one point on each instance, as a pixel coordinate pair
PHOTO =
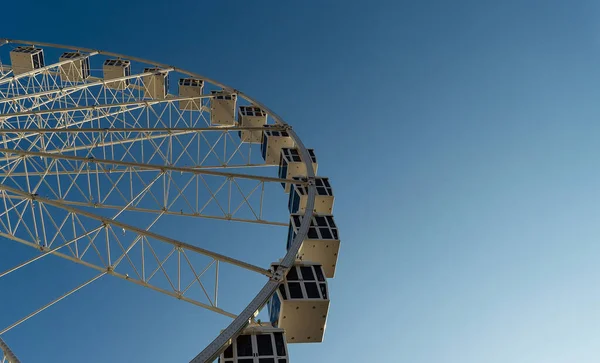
(26, 59)
(116, 68)
(190, 87)
(251, 116)
(323, 200)
(292, 165)
(301, 303)
(322, 242)
(76, 70)
(258, 343)
(156, 86)
(222, 109)
(272, 143)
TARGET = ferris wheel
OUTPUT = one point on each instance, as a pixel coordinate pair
(97, 149)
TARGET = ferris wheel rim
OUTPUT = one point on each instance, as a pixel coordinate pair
(213, 349)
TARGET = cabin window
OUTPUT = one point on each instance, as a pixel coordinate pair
(307, 273)
(244, 346)
(325, 233)
(293, 275)
(319, 272)
(265, 344)
(228, 352)
(312, 292)
(323, 288)
(295, 290)
(282, 291)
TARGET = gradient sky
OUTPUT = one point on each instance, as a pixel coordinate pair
(462, 141)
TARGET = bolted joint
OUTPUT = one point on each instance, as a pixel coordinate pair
(311, 180)
(279, 274)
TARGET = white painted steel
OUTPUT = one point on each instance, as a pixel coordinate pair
(14, 198)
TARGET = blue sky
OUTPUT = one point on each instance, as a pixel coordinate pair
(461, 139)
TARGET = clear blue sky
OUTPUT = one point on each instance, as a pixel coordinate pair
(462, 140)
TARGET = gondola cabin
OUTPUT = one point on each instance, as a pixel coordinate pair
(26, 59)
(156, 86)
(190, 87)
(272, 143)
(322, 242)
(258, 343)
(291, 165)
(301, 303)
(323, 199)
(251, 116)
(116, 68)
(222, 108)
(77, 69)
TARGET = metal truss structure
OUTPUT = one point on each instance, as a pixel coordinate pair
(79, 161)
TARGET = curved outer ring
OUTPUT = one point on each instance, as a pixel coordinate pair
(212, 351)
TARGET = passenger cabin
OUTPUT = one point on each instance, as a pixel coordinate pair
(190, 87)
(301, 303)
(26, 59)
(322, 242)
(291, 165)
(323, 198)
(116, 68)
(251, 116)
(272, 143)
(222, 109)
(258, 343)
(78, 68)
(156, 86)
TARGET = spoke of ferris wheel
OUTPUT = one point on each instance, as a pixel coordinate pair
(9, 356)
(126, 170)
(76, 123)
(143, 134)
(81, 86)
(50, 100)
(128, 140)
(191, 198)
(174, 213)
(140, 138)
(29, 132)
(135, 129)
(103, 106)
(144, 279)
(44, 69)
(18, 322)
(150, 166)
(125, 277)
(29, 109)
(47, 251)
(156, 236)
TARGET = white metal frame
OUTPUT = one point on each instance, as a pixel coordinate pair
(81, 104)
